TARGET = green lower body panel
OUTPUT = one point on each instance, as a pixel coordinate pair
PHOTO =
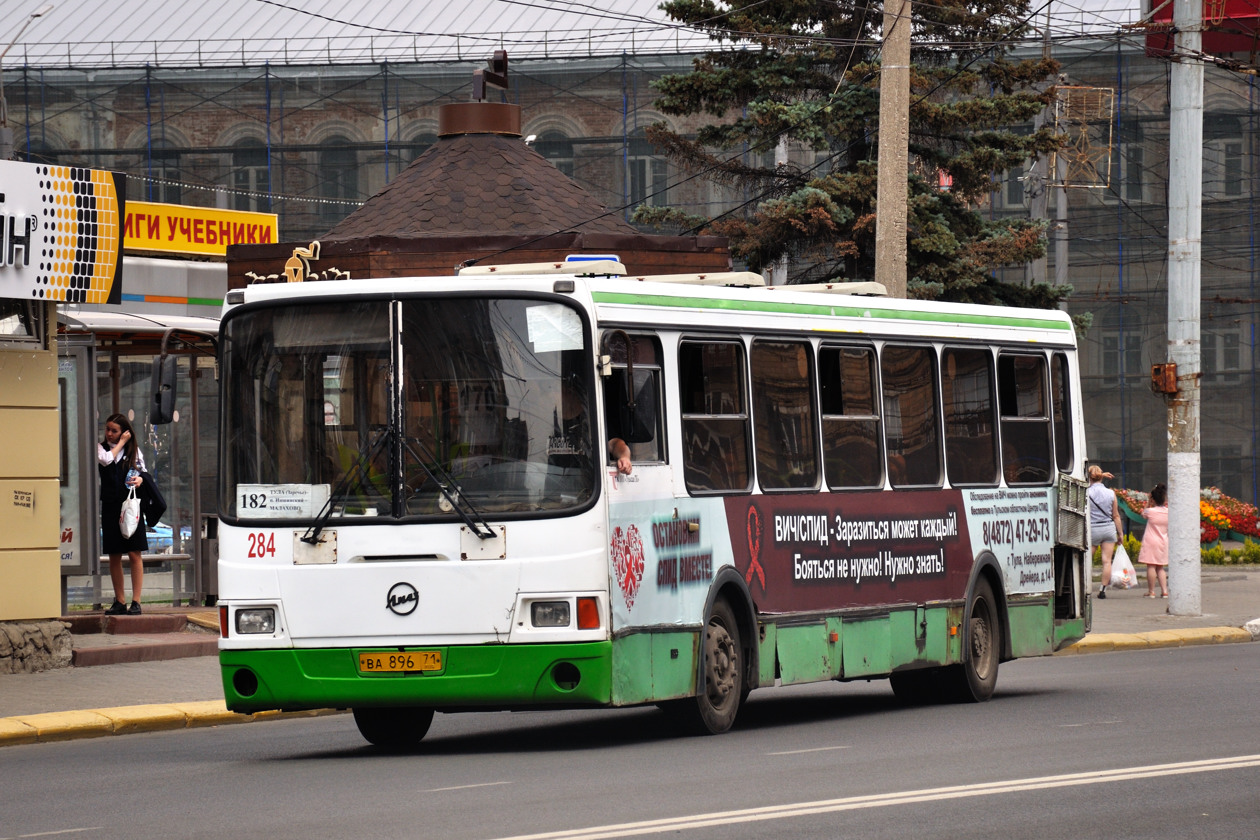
(1068, 632)
(485, 676)
(654, 666)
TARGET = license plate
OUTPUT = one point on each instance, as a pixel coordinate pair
(400, 661)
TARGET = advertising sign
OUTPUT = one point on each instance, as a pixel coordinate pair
(60, 233)
(193, 230)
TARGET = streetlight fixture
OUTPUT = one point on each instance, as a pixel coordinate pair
(6, 133)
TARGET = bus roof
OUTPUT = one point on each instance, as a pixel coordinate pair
(644, 302)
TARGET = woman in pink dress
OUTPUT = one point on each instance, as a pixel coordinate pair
(1154, 551)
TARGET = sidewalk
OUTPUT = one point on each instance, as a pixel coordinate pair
(169, 678)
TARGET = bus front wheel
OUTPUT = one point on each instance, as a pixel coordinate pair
(712, 711)
(974, 679)
(394, 728)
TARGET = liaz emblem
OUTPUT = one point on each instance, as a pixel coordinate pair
(402, 599)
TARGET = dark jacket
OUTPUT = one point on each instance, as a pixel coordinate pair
(152, 505)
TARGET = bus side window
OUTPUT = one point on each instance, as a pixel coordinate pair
(1025, 420)
(970, 424)
(1060, 407)
(643, 427)
(850, 419)
(714, 410)
(911, 416)
(785, 428)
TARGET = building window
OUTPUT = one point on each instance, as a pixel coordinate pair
(251, 177)
(1013, 192)
(1122, 352)
(647, 174)
(1221, 355)
(1127, 164)
(159, 174)
(557, 149)
(338, 178)
(1223, 162)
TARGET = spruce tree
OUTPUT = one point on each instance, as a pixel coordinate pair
(808, 71)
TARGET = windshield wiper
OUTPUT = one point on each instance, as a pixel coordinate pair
(451, 491)
(359, 469)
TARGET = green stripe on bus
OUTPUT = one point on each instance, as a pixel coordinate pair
(828, 311)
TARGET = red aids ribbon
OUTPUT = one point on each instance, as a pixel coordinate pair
(754, 548)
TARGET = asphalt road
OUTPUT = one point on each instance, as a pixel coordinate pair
(1159, 743)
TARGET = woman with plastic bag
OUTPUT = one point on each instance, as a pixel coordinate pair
(120, 463)
(1104, 521)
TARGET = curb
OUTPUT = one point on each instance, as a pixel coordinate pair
(1107, 642)
(150, 650)
(124, 720)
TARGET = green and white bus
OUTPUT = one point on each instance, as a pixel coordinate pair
(419, 511)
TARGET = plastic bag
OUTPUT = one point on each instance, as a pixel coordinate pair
(1123, 576)
(130, 516)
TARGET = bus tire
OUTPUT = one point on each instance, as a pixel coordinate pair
(397, 728)
(973, 680)
(712, 711)
(717, 705)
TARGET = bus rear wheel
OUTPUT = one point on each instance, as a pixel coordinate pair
(397, 728)
(974, 679)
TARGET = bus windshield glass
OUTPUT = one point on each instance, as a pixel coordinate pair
(413, 408)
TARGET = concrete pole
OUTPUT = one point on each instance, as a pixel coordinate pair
(778, 275)
(1037, 187)
(894, 145)
(1185, 233)
(1060, 223)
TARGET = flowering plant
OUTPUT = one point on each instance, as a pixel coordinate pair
(1136, 500)
(1208, 532)
(1210, 514)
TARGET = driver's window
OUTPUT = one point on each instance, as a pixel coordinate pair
(633, 411)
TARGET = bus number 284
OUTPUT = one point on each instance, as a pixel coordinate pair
(262, 545)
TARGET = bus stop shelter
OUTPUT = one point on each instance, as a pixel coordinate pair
(106, 364)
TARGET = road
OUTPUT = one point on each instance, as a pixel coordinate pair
(1159, 743)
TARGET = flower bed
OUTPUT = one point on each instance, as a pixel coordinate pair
(1221, 517)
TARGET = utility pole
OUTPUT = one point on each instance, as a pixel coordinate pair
(779, 274)
(894, 149)
(1039, 177)
(1185, 233)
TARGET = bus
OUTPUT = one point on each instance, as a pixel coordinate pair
(419, 511)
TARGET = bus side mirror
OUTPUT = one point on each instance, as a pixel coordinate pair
(162, 410)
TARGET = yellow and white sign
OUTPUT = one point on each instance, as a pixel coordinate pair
(60, 233)
(194, 230)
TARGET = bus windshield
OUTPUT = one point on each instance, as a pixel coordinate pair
(407, 408)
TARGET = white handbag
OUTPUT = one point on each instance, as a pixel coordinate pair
(129, 519)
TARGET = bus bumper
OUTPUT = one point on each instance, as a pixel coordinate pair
(481, 676)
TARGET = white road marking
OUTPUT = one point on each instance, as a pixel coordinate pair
(55, 833)
(814, 749)
(853, 803)
(466, 787)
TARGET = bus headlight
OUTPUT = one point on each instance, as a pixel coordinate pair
(549, 613)
(256, 620)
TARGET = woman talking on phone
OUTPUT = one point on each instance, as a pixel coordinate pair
(120, 463)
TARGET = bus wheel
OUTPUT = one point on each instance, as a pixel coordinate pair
(396, 728)
(974, 679)
(718, 704)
